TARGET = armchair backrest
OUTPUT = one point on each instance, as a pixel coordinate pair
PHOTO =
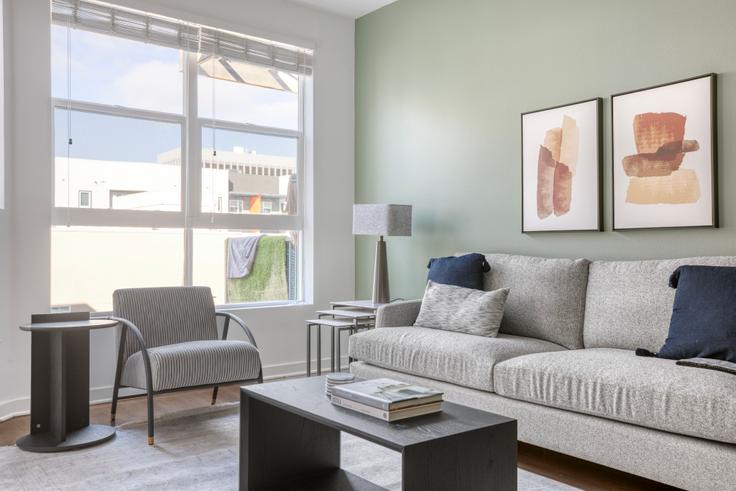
(166, 315)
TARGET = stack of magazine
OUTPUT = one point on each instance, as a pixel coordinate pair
(387, 399)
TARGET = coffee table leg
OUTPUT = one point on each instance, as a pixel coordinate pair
(484, 459)
(277, 447)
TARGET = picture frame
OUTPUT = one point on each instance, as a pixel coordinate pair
(664, 172)
(561, 168)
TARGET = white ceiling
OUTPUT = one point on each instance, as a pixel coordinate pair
(348, 8)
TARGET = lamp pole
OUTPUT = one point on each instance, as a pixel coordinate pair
(380, 274)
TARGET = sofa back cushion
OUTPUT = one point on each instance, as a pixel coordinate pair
(629, 303)
(547, 298)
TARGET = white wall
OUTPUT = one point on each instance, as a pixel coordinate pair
(6, 379)
(330, 268)
(6, 382)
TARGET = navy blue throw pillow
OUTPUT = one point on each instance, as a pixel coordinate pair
(466, 271)
(703, 321)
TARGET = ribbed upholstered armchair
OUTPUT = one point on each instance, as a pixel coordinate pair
(169, 341)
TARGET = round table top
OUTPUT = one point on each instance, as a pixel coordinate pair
(69, 325)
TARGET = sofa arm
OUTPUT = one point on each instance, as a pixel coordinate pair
(398, 314)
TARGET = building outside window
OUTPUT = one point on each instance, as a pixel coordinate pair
(154, 133)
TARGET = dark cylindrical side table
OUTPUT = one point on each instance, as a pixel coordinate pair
(60, 384)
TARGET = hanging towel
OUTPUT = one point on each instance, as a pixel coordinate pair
(241, 252)
(267, 278)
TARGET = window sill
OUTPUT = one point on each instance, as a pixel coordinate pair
(259, 305)
(234, 307)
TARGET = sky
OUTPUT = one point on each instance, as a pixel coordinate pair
(116, 71)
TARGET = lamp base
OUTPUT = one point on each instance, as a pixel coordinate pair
(380, 274)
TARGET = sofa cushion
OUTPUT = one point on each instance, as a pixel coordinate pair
(704, 315)
(616, 384)
(453, 357)
(629, 303)
(465, 270)
(454, 308)
(547, 299)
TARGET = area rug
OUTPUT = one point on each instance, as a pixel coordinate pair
(195, 450)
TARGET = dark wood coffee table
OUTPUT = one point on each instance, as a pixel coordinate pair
(290, 439)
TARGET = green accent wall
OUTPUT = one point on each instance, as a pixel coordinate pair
(439, 90)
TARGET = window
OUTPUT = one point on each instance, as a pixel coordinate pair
(180, 142)
(85, 199)
(89, 263)
(111, 150)
(246, 152)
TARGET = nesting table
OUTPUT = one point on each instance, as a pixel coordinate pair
(60, 384)
(343, 316)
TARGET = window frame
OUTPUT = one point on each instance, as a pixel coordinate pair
(190, 215)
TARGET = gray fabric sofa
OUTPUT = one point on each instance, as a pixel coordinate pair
(564, 366)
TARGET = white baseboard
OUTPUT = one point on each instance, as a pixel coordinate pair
(99, 395)
(14, 407)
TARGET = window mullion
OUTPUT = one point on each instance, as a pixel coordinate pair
(192, 168)
(222, 124)
(114, 110)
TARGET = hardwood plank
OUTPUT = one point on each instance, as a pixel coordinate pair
(580, 473)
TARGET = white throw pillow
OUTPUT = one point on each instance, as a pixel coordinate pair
(466, 310)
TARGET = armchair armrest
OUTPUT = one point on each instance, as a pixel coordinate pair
(398, 314)
(128, 326)
(231, 317)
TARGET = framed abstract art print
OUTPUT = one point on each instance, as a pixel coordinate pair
(664, 156)
(561, 168)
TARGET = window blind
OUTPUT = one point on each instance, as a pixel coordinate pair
(150, 28)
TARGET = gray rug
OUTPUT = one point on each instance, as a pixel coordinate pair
(195, 450)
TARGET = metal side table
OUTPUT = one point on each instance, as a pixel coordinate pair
(60, 384)
(359, 319)
(338, 321)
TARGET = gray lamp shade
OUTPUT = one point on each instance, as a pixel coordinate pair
(379, 219)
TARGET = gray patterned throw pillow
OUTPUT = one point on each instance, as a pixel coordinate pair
(466, 310)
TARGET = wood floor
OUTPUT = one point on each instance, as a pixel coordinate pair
(569, 470)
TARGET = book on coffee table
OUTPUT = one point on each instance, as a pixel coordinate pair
(390, 416)
(387, 394)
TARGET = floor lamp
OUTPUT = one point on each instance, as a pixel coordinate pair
(384, 221)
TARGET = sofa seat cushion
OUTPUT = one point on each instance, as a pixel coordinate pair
(194, 363)
(616, 384)
(448, 356)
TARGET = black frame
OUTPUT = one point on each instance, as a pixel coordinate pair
(714, 155)
(135, 332)
(599, 167)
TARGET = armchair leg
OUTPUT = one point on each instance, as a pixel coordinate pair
(150, 417)
(214, 395)
(114, 405)
(118, 374)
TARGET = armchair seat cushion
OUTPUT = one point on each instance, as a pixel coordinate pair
(193, 363)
